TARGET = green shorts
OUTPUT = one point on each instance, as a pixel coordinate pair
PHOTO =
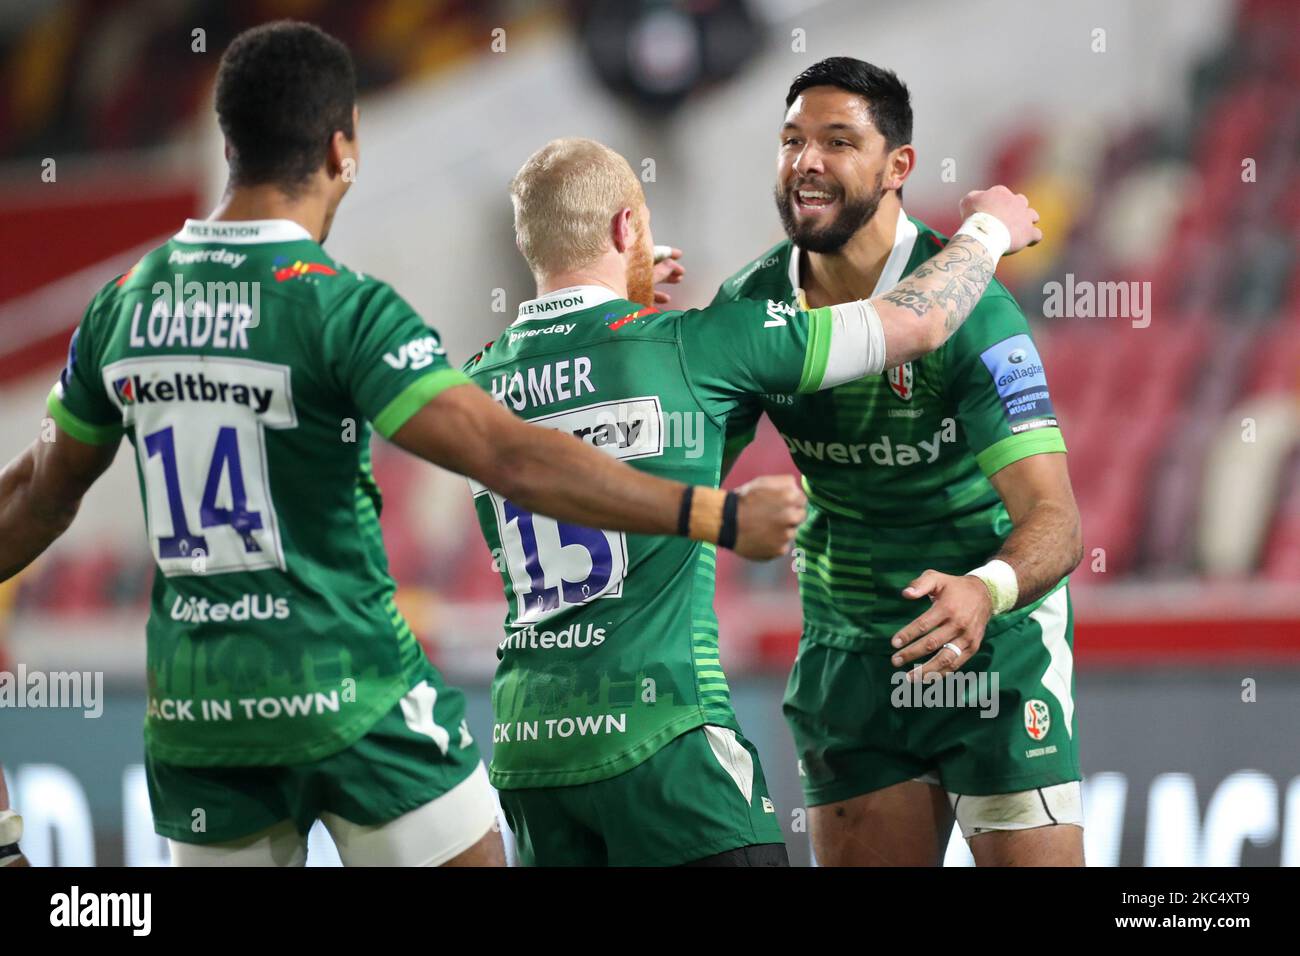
(857, 729)
(396, 767)
(701, 794)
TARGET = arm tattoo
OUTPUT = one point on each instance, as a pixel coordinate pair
(951, 282)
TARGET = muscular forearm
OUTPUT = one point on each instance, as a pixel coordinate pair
(1043, 547)
(557, 475)
(29, 520)
(922, 311)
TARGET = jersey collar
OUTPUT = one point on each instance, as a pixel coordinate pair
(905, 234)
(575, 298)
(242, 231)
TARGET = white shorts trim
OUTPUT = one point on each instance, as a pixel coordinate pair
(429, 835)
(733, 757)
(279, 845)
(1023, 810)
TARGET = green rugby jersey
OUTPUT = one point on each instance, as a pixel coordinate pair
(246, 366)
(896, 465)
(611, 646)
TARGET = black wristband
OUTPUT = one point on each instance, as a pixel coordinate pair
(727, 533)
(684, 512)
(10, 850)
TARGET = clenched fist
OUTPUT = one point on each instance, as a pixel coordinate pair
(1011, 209)
(770, 511)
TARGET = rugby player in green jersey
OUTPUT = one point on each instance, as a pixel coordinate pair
(941, 483)
(614, 741)
(247, 368)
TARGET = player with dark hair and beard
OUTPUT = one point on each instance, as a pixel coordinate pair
(615, 742)
(943, 479)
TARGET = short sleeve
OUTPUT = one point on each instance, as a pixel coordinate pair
(1000, 387)
(753, 347)
(384, 357)
(78, 403)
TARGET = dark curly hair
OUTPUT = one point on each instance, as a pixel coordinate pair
(283, 89)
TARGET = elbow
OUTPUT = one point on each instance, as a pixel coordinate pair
(515, 471)
(509, 479)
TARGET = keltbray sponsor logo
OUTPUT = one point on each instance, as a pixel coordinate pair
(415, 355)
(574, 636)
(249, 607)
(140, 389)
(884, 451)
(560, 328)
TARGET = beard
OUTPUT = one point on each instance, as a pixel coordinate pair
(640, 271)
(831, 237)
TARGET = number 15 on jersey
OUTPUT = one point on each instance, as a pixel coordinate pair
(552, 566)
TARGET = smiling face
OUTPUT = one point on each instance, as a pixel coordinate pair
(831, 168)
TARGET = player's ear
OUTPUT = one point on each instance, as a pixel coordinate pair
(899, 166)
(623, 230)
(342, 153)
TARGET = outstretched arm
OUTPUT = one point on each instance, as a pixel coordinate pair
(555, 474)
(40, 492)
(918, 315)
(922, 311)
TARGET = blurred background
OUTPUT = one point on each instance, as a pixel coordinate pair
(1159, 138)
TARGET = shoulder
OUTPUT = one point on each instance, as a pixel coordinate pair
(479, 359)
(763, 277)
(341, 291)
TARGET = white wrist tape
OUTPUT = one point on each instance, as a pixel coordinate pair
(1000, 579)
(989, 230)
(11, 827)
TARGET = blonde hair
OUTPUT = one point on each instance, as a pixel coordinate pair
(564, 197)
